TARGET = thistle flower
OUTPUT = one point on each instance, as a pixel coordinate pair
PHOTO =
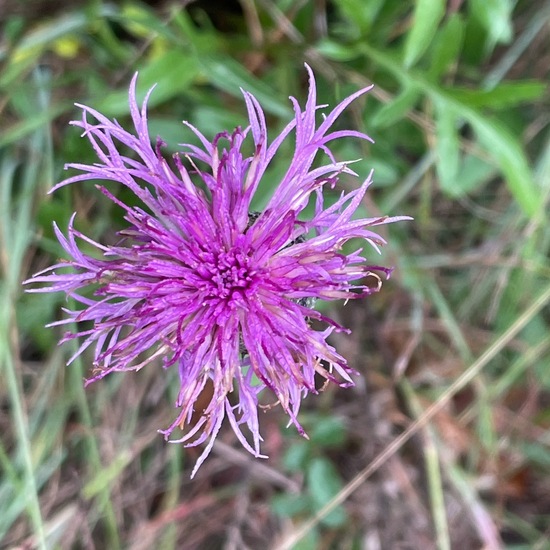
(201, 283)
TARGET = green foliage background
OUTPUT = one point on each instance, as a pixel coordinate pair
(460, 118)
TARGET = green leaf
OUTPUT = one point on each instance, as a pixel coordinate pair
(447, 46)
(473, 173)
(507, 94)
(495, 16)
(359, 13)
(296, 456)
(229, 75)
(395, 110)
(505, 149)
(447, 146)
(533, 335)
(288, 505)
(43, 35)
(386, 172)
(536, 453)
(143, 22)
(310, 541)
(500, 143)
(28, 125)
(328, 432)
(172, 132)
(324, 482)
(212, 120)
(336, 51)
(171, 72)
(426, 18)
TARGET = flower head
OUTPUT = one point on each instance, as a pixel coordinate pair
(204, 284)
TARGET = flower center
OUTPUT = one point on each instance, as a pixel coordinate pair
(225, 273)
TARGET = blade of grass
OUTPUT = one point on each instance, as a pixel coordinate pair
(16, 235)
(433, 472)
(169, 538)
(482, 519)
(448, 318)
(21, 427)
(76, 376)
(509, 377)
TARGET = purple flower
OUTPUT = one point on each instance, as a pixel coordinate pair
(206, 285)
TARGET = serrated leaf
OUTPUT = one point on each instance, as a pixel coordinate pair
(426, 18)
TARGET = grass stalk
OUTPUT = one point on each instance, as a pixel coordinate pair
(92, 452)
(433, 471)
(23, 439)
